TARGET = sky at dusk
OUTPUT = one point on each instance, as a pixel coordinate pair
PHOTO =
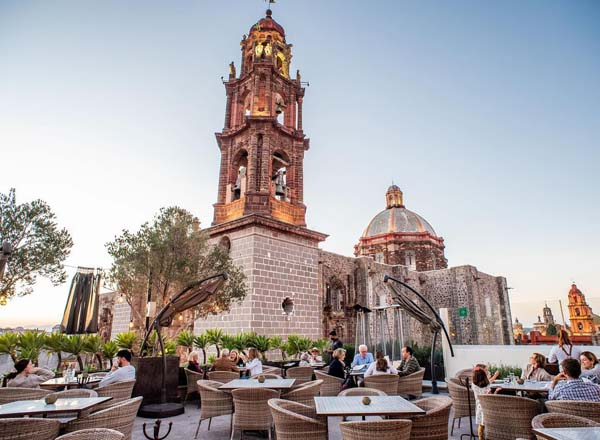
(487, 115)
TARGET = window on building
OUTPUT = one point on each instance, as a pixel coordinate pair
(577, 312)
(488, 307)
(379, 257)
(410, 260)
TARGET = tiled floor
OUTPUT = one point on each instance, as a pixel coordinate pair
(184, 426)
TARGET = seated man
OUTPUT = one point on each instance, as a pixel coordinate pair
(409, 364)
(363, 357)
(224, 363)
(121, 371)
(568, 386)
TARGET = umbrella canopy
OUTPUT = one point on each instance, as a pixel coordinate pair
(81, 310)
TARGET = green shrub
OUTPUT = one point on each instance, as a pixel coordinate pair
(505, 370)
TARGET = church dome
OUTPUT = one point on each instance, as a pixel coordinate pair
(268, 24)
(396, 218)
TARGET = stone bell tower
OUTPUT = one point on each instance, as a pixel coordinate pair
(260, 213)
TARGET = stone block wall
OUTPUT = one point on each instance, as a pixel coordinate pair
(121, 319)
(277, 266)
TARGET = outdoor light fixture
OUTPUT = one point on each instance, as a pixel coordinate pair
(131, 324)
(180, 317)
(3, 300)
(120, 299)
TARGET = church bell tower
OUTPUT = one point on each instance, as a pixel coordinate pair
(260, 215)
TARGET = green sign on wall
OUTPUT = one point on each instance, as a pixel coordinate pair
(462, 312)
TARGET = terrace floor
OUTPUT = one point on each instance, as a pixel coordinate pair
(184, 426)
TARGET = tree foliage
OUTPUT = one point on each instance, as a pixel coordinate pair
(168, 254)
(39, 245)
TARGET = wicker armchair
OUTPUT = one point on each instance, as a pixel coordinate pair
(589, 410)
(223, 376)
(251, 411)
(411, 385)
(301, 374)
(557, 420)
(434, 424)
(305, 394)
(119, 417)
(379, 429)
(268, 369)
(214, 402)
(460, 400)
(12, 394)
(361, 391)
(93, 434)
(388, 383)
(119, 391)
(192, 377)
(462, 374)
(331, 384)
(29, 428)
(75, 392)
(508, 417)
(292, 420)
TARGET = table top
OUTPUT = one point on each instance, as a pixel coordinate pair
(568, 433)
(353, 406)
(534, 387)
(274, 384)
(60, 382)
(63, 405)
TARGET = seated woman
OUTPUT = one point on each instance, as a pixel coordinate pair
(536, 368)
(491, 377)
(235, 357)
(481, 385)
(380, 366)
(254, 364)
(337, 366)
(28, 376)
(315, 355)
(590, 368)
(304, 360)
(193, 364)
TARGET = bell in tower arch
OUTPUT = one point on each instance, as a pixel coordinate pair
(279, 180)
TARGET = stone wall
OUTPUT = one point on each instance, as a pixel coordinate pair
(277, 266)
(121, 318)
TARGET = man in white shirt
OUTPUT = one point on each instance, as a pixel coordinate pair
(121, 371)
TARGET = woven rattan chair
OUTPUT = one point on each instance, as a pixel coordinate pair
(192, 377)
(362, 391)
(268, 369)
(119, 417)
(460, 400)
(93, 434)
(12, 394)
(305, 394)
(462, 374)
(434, 424)
(301, 374)
(29, 428)
(558, 420)
(589, 410)
(508, 417)
(222, 376)
(267, 376)
(331, 384)
(119, 391)
(379, 429)
(293, 420)
(387, 383)
(411, 385)
(75, 392)
(214, 402)
(251, 411)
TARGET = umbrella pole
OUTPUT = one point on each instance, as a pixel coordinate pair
(163, 388)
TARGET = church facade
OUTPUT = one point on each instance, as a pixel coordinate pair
(259, 217)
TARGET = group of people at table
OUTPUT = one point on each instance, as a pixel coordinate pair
(578, 379)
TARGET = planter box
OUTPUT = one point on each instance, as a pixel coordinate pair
(148, 383)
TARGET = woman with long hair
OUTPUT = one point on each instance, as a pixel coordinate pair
(380, 366)
(235, 357)
(27, 376)
(564, 349)
(536, 368)
(590, 367)
(254, 364)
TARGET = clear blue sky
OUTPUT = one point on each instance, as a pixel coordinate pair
(487, 115)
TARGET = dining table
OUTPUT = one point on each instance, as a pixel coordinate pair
(527, 386)
(59, 383)
(589, 433)
(22, 408)
(353, 406)
(273, 384)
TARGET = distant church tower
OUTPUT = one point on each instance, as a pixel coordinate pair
(259, 216)
(580, 314)
(548, 317)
